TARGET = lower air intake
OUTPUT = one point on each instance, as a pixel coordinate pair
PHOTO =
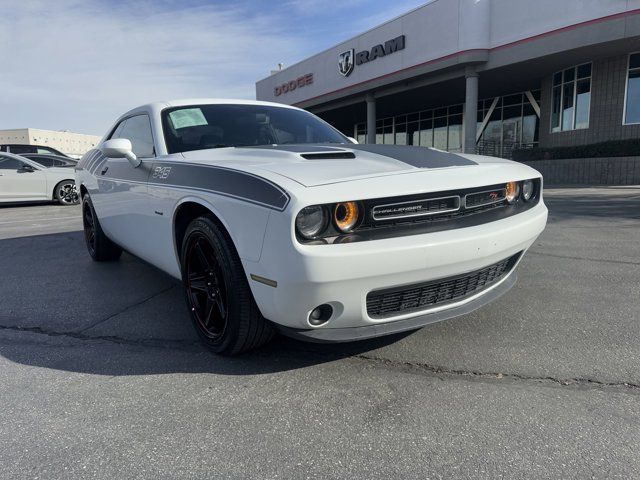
(422, 296)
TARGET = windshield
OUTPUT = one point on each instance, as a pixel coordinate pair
(196, 127)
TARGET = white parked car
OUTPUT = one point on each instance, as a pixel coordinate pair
(274, 220)
(23, 180)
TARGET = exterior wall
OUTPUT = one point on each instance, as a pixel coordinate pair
(18, 136)
(453, 33)
(608, 82)
(589, 171)
(67, 142)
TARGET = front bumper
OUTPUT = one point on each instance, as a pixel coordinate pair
(342, 275)
(332, 335)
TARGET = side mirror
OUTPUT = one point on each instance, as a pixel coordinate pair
(120, 148)
(26, 168)
(352, 140)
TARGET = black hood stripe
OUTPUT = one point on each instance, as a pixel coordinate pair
(419, 157)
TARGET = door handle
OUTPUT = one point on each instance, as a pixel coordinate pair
(1, 174)
(104, 170)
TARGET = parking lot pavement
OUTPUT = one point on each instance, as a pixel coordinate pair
(101, 375)
(38, 219)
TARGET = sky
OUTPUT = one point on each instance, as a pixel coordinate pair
(78, 64)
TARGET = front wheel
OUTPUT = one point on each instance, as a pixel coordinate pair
(66, 193)
(217, 293)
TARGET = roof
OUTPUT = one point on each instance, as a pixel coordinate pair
(156, 107)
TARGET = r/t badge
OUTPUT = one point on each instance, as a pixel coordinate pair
(161, 173)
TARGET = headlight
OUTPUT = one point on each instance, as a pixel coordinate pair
(311, 221)
(527, 190)
(512, 191)
(346, 216)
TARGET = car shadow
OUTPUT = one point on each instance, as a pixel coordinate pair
(60, 310)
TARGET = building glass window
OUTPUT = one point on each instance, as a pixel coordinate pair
(513, 124)
(440, 133)
(400, 132)
(632, 98)
(454, 143)
(571, 98)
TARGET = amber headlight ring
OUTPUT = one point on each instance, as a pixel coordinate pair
(347, 216)
(512, 192)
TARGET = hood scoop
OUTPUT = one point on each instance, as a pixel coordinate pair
(328, 155)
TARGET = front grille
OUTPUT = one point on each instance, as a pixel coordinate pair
(417, 208)
(431, 209)
(409, 298)
(489, 197)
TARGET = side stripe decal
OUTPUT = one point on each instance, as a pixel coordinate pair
(223, 181)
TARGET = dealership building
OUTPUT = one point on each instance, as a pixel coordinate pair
(69, 143)
(486, 76)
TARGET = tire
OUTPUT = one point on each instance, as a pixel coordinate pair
(66, 193)
(217, 292)
(100, 247)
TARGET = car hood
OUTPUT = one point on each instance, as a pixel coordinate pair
(313, 165)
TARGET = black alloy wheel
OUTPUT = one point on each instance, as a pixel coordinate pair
(100, 247)
(89, 228)
(220, 302)
(207, 291)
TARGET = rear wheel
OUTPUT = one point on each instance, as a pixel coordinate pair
(100, 247)
(66, 193)
(217, 293)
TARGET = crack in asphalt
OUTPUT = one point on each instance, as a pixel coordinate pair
(126, 309)
(600, 260)
(196, 346)
(147, 342)
(438, 370)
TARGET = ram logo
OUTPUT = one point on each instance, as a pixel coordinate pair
(345, 62)
(161, 173)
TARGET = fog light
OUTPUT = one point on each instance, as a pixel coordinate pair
(511, 192)
(320, 315)
(527, 190)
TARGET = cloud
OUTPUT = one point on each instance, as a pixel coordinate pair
(313, 7)
(79, 64)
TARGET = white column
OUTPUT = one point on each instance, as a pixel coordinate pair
(371, 118)
(470, 110)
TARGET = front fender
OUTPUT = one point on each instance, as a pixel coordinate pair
(245, 223)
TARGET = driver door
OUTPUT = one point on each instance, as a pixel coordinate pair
(21, 181)
(121, 199)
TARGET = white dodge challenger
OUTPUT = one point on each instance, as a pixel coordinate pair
(275, 221)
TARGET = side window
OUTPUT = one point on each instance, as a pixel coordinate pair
(18, 149)
(138, 130)
(116, 132)
(7, 163)
(45, 162)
